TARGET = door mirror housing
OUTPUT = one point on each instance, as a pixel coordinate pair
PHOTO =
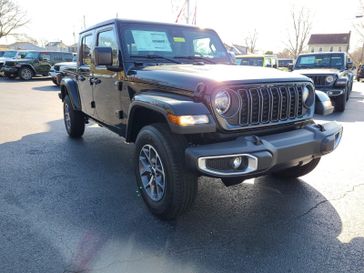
(103, 56)
(349, 65)
(323, 105)
(290, 67)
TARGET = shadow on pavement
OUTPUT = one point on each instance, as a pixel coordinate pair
(84, 192)
(49, 88)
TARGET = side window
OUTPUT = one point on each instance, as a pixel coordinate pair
(204, 47)
(86, 45)
(107, 39)
(45, 57)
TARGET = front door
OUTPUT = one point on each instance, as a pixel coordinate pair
(84, 75)
(107, 93)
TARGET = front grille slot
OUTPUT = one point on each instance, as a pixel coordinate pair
(264, 105)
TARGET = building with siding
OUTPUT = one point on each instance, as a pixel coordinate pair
(335, 42)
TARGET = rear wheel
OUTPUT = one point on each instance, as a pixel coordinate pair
(298, 171)
(25, 73)
(74, 121)
(167, 187)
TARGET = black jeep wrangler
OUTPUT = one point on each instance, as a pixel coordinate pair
(331, 73)
(34, 63)
(172, 90)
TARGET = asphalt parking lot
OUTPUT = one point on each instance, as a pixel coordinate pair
(72, 205)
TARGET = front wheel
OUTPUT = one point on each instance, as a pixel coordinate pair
(340, 102)
(298, 171)
(167, 187)
(25, 73)
(74, 121)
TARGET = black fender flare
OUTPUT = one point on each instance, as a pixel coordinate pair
(30, 66)
(69, 87)
(163, 104)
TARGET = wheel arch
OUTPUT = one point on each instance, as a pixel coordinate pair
(69, 87)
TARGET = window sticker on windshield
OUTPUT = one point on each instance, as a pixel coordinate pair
(179, 39)
(307, 60)
(151, 41)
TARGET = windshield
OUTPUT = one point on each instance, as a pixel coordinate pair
(32, 55)
(9, 54)
(252, 61)
(168, 41)
(320, 60)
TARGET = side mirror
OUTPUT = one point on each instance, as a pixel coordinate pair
(349, 65)
(274, 66)
(323, 105)
(103, 56)
(290, 67)
(232, 57)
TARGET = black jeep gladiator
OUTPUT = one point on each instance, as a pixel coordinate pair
(331, 73)
(172, 90)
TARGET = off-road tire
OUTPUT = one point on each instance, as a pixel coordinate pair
(180, 184)
(298, 171)
(26, 74)
(74, 121)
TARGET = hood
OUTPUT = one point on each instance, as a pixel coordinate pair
(71, 64)
(188, 76)
(20, 60)
(317, 71)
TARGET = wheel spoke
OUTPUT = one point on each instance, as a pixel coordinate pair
(151, 172)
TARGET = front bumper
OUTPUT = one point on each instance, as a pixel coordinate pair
(10, 70)
(267, 153)
(332, 92)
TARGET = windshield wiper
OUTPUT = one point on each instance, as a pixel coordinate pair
(196, 57)
(154, 56)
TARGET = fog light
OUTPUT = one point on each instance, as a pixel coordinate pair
(236, 162)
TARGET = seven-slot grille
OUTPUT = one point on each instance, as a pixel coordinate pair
(263, 105)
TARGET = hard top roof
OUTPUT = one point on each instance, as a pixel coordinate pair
(126, 21)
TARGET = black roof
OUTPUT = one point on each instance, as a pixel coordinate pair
(336, 38)
(127, 21)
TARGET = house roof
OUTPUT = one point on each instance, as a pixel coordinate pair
(335, 38)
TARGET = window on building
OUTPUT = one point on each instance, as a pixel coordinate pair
(331, 49)
(339, 48)
(312, 50)
(320, 49)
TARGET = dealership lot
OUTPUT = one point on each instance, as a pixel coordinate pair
(72, 205)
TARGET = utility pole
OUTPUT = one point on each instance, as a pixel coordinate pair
(187, 11)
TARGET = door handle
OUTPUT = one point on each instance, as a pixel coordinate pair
(95, 81)
(81, 78)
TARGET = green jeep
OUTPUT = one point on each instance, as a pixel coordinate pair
(35, 63)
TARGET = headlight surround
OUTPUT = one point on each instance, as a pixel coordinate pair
(329, 79)
(308, 95)
(222, 101)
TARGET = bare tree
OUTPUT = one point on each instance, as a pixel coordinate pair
(357, 56)
(359, 24)
(12, 17)
(299, 32)
(251, 41)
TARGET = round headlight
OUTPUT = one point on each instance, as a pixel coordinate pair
(329, 79)
(222, 101)
(307, 96)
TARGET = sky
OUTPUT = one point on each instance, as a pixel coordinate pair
(232, 19)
